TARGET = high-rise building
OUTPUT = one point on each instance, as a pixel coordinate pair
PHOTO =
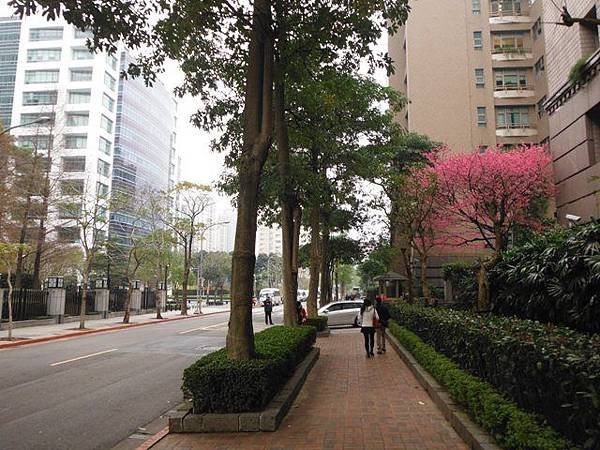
(10, 35)
(574, 109)
(268, 240)
(473, 72)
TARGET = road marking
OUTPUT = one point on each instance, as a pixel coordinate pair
(83, 357)
(206, 328)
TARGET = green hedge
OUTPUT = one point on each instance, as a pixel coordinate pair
(511, 427)
(220, 385)
(545, 369)
(320, 323)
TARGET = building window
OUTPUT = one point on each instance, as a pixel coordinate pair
(43, 54)
(479, 78)
(78, 97)
(109, 81)
(69, 235)
(539, 66)
(477, 40)
(103, 168)
(510, 79)
(536, 30)
(509, 42)
(82, 74)
(481, 116)
(78, 119)
(111, 60)
(73, 164)
(71, 187)
(105, 146)
(37, 142)
(108, 102)
(476, 7)
(32, 119)
(75, 141)
(106, 124)
(41, 76)
(81, 53)
(45, 34)
(512, 117)
(69, 210)
(83, 34)
(101, 189)
(540, 107)
(501, 8)
(40, 98)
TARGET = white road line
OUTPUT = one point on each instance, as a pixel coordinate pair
(83, 357)
(208, 327)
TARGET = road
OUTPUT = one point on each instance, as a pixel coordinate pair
(92, 392)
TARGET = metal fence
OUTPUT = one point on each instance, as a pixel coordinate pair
(73, 301)
(27, 304)
(116, 300)
(148, 299)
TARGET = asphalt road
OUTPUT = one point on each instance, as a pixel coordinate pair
(92, 392)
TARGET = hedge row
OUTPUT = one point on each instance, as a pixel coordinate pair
(320, 323)
(220, 385)
(511, 427)
(545, 369)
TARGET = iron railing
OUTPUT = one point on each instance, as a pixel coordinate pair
(148, 299)
(117, 299)
(73, 301)
(27, 304)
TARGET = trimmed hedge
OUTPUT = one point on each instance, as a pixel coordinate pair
(220, 385)
(511, 427)
(545, 369)
(320, 323)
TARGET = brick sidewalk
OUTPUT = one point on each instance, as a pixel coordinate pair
(348, 402)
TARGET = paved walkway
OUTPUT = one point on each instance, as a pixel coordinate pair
(348, 402)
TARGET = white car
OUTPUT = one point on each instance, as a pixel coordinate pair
(342, 313)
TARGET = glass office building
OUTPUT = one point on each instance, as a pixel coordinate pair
(10, 30)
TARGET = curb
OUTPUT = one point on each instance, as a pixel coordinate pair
(182, 420)
(99, 330)
(154, 439)
(473, 435)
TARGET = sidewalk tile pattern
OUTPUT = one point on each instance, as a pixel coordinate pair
(348, 402)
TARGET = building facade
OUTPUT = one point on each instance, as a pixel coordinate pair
(574, 110)
(268, 240)
(10, 36)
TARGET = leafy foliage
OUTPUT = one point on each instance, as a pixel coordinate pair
(511, 427)
(545, 369)
(219, 384)
(320, 323)
(462, 275)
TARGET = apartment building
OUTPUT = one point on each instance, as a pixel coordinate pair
(573, 108)
(268, 240)
(473, 72)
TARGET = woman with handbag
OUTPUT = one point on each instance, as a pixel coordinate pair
(369, 321)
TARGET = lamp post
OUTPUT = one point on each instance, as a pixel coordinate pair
(200, 271)
(40, 120)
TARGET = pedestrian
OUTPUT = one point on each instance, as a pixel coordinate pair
(384, 318)
(369, 321)
(301, 312)
(268, 305)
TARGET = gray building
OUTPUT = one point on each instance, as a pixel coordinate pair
(10, 31)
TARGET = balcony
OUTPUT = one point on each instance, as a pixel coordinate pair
(514, 91)
(511, 54)
(516, 130)
(512, 15)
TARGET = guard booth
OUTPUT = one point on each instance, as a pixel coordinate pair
(391, 284)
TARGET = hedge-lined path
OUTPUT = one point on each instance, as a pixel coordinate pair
(348, 402)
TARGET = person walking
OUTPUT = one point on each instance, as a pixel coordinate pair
(268, 305)
(384, 318)
(369, 321)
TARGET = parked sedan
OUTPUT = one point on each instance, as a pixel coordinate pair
(341, 313)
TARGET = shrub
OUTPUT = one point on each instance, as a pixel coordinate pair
(577, 71)
(554, 278)
(545, 369)
(511, 427)
(463, 277)
(220, 385)
(320, 323)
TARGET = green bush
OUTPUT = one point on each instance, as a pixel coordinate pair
(511, 427)
(578, 70)
(552, 371)
(320, 323)
(463, 277)
(220, 385)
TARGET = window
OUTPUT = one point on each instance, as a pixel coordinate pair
(536, 30)
(45, 34)
(35, 119)
(83, 34)
(510, 79)
(505, 8)
(512, 117)
(476, 7)
(111, 60)
(540, 107)
(105, 146)
(106, 124)
(71, 187)
(103, 168)
(81, 53)
(108, 102)
(109, 81)
(76, 141)
(78, 97)
(509, 42)
(477, 40)
(78, 119)
(40, 98)
(101, 189)
(37, 142)
(481, 116)
(68, 235)
(41, 76)
(83, 74)
(73, 163)
(539, 66)
(43, 54)
(69, 210)
(336, 307)
(479, 78)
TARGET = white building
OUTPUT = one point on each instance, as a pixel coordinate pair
(268, 240)
(221, 219)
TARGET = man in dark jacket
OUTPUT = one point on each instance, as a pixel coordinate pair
(268, 305)
(384, 318)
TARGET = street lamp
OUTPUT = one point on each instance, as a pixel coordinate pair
(200, 271)
(40, 120)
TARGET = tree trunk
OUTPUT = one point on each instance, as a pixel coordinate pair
(325, 280)
(409, 274)
(186, 275)
(127, 314)
(41, 238)
(22, 239)
(483, 294)
(86, 278)
(337, 283)
(313, 285)
(424, 285)
(258, 106)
